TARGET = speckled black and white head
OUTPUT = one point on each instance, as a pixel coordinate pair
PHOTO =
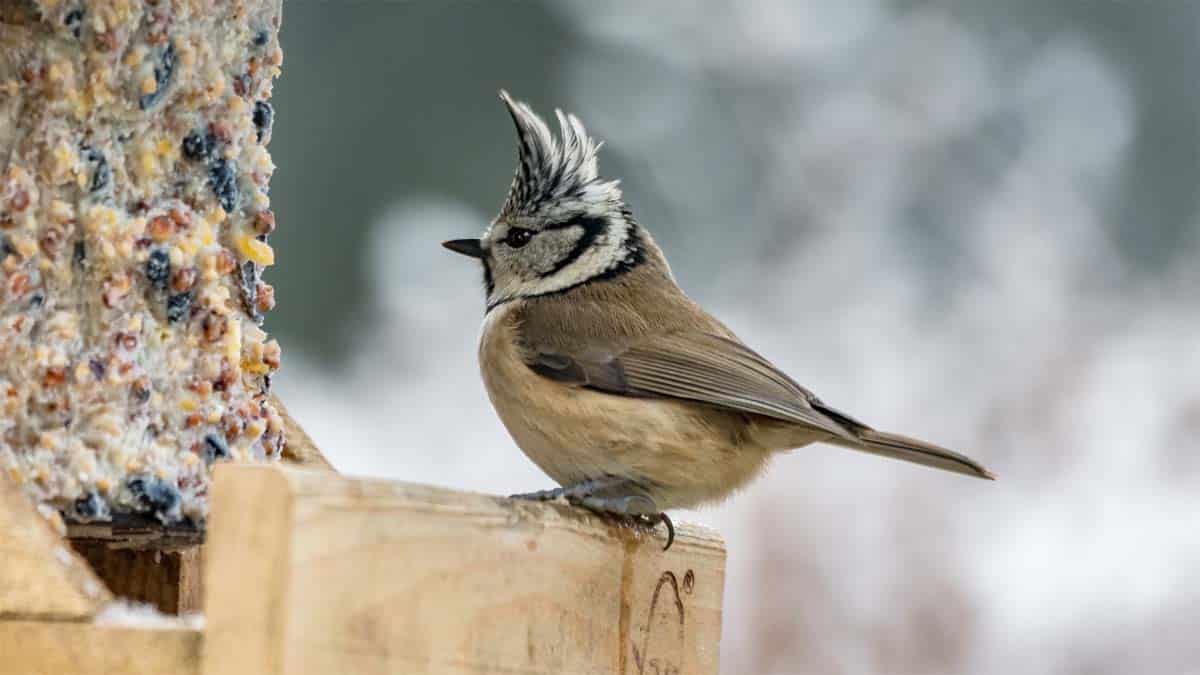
(561, 225)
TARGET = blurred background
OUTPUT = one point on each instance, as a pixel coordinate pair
(971, 221)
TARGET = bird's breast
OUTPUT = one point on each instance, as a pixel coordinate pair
(694, 452)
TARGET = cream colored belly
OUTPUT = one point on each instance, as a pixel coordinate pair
(683, 453)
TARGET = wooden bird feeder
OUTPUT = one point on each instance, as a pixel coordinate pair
(303, 570)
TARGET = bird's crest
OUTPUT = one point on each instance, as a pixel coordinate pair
(552, 170)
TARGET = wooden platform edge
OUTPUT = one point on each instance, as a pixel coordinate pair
(310, 572)
(66, 648)
(40, 576)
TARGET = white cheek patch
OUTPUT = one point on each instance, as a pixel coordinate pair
(607, 251)
(555, 246)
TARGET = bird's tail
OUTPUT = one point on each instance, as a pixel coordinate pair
(913, 450)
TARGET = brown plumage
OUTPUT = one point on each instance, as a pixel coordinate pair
(632, 368)
(607, 375)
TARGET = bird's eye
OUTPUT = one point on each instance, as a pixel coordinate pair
(518, 237)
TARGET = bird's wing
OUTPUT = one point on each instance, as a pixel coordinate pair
(694, 366)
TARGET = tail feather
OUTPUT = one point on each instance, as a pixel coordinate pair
(918, 452)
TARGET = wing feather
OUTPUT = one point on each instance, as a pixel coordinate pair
(693, 366)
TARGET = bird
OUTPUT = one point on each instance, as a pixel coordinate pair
(616, 384)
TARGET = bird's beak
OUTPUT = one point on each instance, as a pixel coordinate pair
(468, 247)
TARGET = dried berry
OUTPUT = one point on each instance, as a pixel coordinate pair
(261, 38)
(18, 284)
(183, 280)
(98, 368)
(156, 496)
(115, 287)
(54, 376)
(264, 116)
(158, 268)
(162, 77)
(19, 201)
(248, 284)
(225, 262)
(181, 219)
(199, 146)
(178, 306)
(80, 253)
(233, 425)
(106, 41)
(90, 506)
(266, 297)
(102, 173)
(215, 448)
(214, 326)
(220, 131)
(222, 177)
(264, 222)
(139, 392)
(271, 354)
(37, 300)
(50, 241)
(74, 21)
(160, 228)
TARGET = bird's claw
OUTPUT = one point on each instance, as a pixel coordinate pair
(635, 510)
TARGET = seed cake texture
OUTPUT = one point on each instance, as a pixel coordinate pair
(134, 221)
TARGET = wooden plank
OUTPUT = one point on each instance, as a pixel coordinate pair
(171, 580)
(67, 648)
(246, 572)
(315, 573)
(39, 574)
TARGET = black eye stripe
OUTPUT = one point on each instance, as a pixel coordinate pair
(580, 221)
(592, 228)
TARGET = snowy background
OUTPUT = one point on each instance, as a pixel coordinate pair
(971, 221)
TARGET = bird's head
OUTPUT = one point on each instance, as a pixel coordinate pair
(561, 225)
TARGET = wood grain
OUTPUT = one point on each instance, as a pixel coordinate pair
(333, 574)
(66, 648)
(40, 576)
(171, 580)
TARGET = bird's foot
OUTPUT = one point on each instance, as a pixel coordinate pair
(576, 491)
(540, 495)
(634, 510)
(609, 497)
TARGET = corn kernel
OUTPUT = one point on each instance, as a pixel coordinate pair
(258, 251)
(233, 342)
(255, 368)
